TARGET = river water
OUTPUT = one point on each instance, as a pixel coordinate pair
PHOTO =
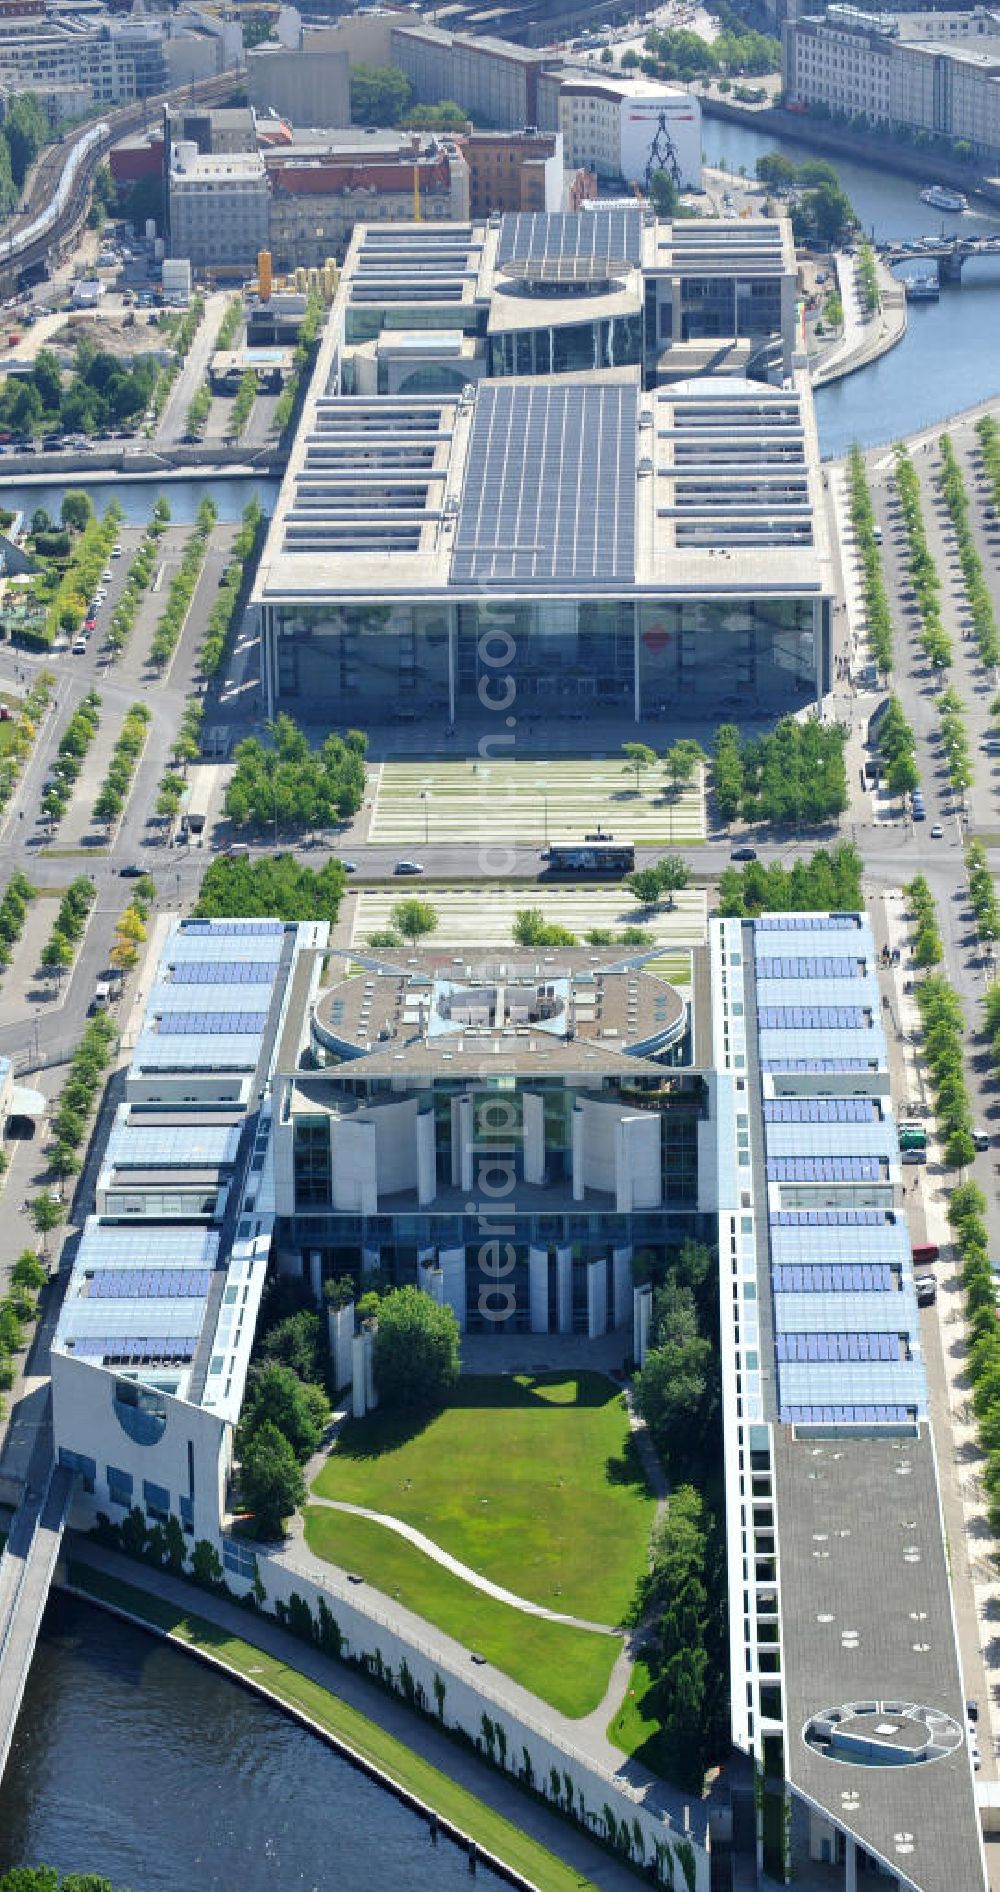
(133, 1761)
(949, 358)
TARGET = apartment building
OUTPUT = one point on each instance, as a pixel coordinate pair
(629, 128)
(218, 207)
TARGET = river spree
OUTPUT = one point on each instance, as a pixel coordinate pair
(133, 1761)
(949, 358)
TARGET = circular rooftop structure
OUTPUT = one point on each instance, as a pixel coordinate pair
(883, 1734)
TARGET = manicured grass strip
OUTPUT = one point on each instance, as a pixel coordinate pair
(636, 1727)
(489, 1829)
(569, 1668)
(531, 1480)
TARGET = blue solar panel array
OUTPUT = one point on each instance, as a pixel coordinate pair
(231, 929)
(150, 1284)
(605, 236)
(824, 1169)
(834, 1278)
(819, 1110)
(832, 968)
(829, 1218)
(806, 922)
(847, 1415)
(838, 1347)
(137, 1349)
(782, 1067)
(813, 1017)
(210, 1024)
(220, 972)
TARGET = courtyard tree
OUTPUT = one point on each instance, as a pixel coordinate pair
(76, 510)
(414, 919)
(416, 1350)
(46, 1214)
(639, 758)
(277, 1396)
(271, 1481)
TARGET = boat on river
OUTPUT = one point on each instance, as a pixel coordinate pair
(942, 197)
(922, 288)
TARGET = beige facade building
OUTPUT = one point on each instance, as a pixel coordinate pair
(931, 72)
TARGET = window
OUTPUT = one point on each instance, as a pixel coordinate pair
(187, 1515)
(312, 1162)
(156, 1499)
(120, 1486)
(80, 1463)
(239, 1558)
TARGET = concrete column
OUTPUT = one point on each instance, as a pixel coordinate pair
(316, 1276)
(431, 1279)
(636, 678)
(371, 1260)
(538, 1289)
(358, 1388)
(426, 1158)
(850, 1864)
(564, 1289)
(579, 1169)
(465, 1143)
(456, 1143)
(340, 1327)
(534, 1138)
(452, 1264)
(638, 1163)
(451, 666)
(622, 1285)
(371, 1396)
(597, 1298)
(818, 648)
(642, 1314)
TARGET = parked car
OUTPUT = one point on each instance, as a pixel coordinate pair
(926, 1290)
(925, 1254)
(79, 646)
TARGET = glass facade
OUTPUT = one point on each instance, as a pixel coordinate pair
(311, 1164)
(569, 348)
(725, 305)
(366, 663)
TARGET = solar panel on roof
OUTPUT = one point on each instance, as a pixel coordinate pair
(819, 1110)
(149, 1284)
(846, 1415)
(210, 1024)
(790, 1347)
(230, 929)
(129, 1349)
(829, 1218)
(834, 1278)
(813, 1017)
(611, 236)
(832, 968)
(788, 1067)
(806, 922)
(549, 490)
(824, 1169)
(221, 972)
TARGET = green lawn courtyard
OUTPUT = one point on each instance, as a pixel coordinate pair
(569, 1668)
(530, 1480)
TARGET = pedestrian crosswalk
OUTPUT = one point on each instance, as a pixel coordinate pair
(532, 801)
(480, 915)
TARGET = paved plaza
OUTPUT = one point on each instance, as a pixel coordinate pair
(415, 803)
(484, 916)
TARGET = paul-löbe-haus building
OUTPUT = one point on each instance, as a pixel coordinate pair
(533, 452)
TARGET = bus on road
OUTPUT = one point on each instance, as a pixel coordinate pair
(605, 858)
(195, 812)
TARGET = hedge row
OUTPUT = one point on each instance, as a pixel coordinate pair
(183, 337)
(182, 587)
(928, 950)
(76, 739)
(966, 1213)
(944, 1042)
(877, 612)
(139, 574)
(71, 1118)
(955, 740)
(977, 590)
(23, 729)
(70, 924)
(982, 892)
(246, 394)
(220, 618)
(989, 443)
(934, 639)
(122, 766)
(82, 575)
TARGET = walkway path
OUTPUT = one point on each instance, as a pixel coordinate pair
(465, 1571)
